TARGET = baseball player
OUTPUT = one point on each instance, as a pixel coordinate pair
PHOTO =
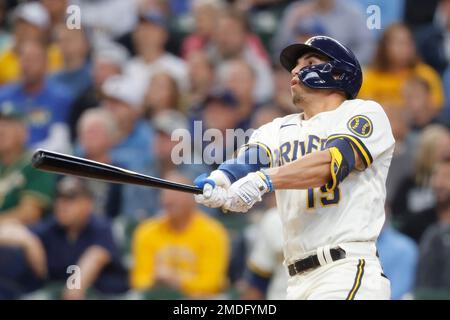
(327, 166)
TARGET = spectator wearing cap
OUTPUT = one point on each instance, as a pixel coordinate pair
(124, 98)
(230, 42)
(219, 112)
(108, 59)
(75, 74)
(330, 14)
(45, 104)
(74, 236)
(168, 124)
(97, 131)
(433, 276)
(31, 22)
(182, 248)
(239, 78)
(25, 193)
(150, 38)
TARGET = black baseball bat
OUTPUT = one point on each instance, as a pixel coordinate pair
(65, 164)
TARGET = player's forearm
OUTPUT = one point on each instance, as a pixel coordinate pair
(310, 171)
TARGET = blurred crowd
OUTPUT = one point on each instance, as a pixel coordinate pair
(114, 88)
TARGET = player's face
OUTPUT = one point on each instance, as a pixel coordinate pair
(298, 90)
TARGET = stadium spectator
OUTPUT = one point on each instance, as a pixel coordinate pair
(219, 112)
(150, 38)
(31, 22)
(402, 159)
(56, 10)
(398, 255)
(25, 192)
(168, 126)
(124, 98)
(266, 276)
(162, 94)
(102, 16)
(75, 236)
(45, 104)
(432, 39)
(170, 250)
(97, 131)
(230, 42)
(201, 77)
(108, 60)
(395, 62)
(329, 14)
(75, 74)
(413, 202)
(205, 13)
(418, 104)
(433, 274)
(239, 78)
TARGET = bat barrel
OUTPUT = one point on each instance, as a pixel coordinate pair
(69, 165)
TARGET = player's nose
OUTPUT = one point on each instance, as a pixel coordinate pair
(296, 70)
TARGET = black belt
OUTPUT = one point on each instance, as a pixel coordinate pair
(312, 262)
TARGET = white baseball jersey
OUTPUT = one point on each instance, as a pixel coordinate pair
(354, 211)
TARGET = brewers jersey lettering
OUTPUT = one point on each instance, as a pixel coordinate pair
(354, 210)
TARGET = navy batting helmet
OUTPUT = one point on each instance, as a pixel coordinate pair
(342, 72)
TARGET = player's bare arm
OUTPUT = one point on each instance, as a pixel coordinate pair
(310, 171)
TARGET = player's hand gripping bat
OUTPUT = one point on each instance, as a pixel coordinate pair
(70, 165)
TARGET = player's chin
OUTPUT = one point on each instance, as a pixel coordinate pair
(296, 95)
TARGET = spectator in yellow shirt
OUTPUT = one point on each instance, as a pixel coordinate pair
(31, 22)
(183, 248)
(395, 62)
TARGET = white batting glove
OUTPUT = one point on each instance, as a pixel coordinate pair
(214, 189)
(245, 192)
